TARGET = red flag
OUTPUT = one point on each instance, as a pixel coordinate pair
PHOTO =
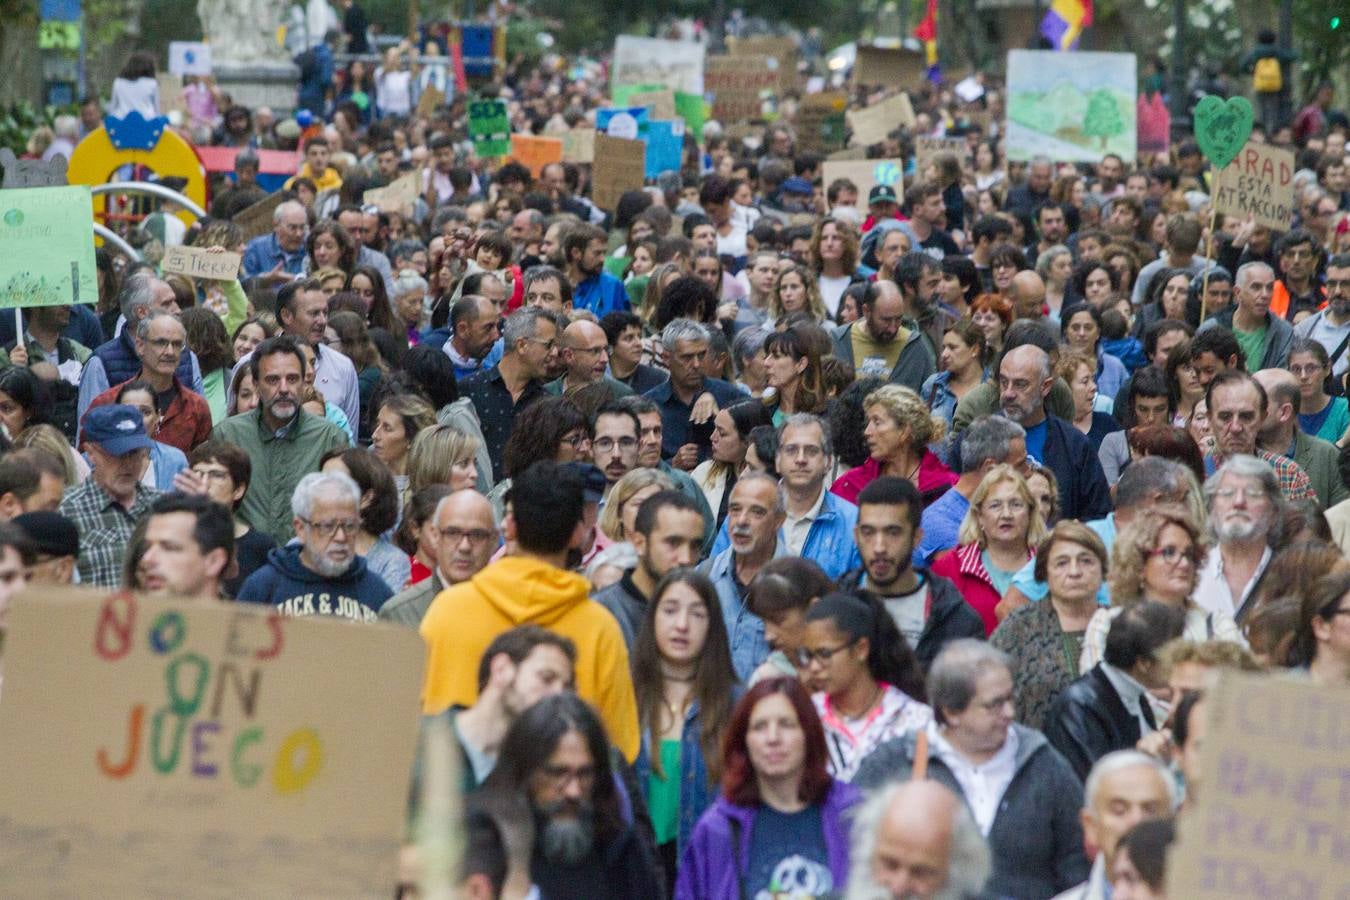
(926, 30)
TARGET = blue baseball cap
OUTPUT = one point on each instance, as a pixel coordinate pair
(118, 429)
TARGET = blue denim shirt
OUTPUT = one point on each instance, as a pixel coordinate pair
(264, 252)
(745, 630)
(696, 794)
(829, 544)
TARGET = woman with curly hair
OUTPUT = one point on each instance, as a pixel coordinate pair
(898, 431)
(553, 428)
(795, 291)
(992, 314)
(1158, 557)
(329, 246)
(834, 260)
(999, 533)
(1005, 261)
(1093, 281)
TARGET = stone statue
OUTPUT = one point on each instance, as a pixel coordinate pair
(243, 31)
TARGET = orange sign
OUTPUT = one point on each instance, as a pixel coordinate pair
(534, 152)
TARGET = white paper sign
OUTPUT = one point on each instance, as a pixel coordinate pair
(189, 58)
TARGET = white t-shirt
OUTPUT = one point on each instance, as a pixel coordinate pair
(832, 291)
(908, 612)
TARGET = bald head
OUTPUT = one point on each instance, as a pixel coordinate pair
(915, 839)
(1023, 382)
(1283, 404)
(466, 535)
(1028, 292)
(586, 352)
(885, 314)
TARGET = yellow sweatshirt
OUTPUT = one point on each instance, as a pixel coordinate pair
(517, 590)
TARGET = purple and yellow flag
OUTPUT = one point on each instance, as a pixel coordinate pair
(1064, 22)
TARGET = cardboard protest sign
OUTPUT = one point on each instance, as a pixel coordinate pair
(578, 145)
(400, 195)
(536, 151)
(736, 83)
(889, 66)
(694, 110)
(1071, 107)
(170, 93)
(867, 174)
(256, 220)
(489, 128)
(1260, 183)
(189, 58)
(665, 147)
(677, 65)
(782, 49)
(925, 148)
(820, 122)
(31, 173)
(873, 124)
(1272, 818)
(197, 262)
(660, 104)
(165, 748)
(432, 99)
(620, 165)
(47, 236)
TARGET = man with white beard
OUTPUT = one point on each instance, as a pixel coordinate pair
(914, 840)
(1245, 511)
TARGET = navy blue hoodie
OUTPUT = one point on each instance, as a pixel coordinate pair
(285, 583)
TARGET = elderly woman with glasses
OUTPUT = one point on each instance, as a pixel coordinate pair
(1158, 557)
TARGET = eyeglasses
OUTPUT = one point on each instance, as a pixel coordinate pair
(329, 529)
(605, 445)
(213, 474)
(1173, 555)
(559, 776)
(806, 655)
(166, 344)
(476, 536)
(997, 506)
(575, 440)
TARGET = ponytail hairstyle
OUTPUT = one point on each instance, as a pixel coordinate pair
(890, 659)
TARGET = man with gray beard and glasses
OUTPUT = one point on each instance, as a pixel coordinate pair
(1245, 513)
(914, 840)
(557, 756)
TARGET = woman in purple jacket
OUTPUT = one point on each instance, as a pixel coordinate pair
(779, 826)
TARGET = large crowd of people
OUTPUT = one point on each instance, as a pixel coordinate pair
(761, 546)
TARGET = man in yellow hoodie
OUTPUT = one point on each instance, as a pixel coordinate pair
(547, 524)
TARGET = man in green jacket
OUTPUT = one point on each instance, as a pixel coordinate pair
(284, 442)
(1281, 436)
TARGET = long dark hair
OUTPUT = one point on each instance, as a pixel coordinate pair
(714, 676)
(534, 737)
(207, 338)
(890, 659)
(810, 394)
(381, 310)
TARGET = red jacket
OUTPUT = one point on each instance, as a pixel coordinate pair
(185, 424)
(963, 567)
(933, 479)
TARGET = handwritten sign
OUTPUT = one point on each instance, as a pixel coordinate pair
(782, 49)
(489, 128)
(1222, 127)
(736, 83)
(660, 104)
(195, 262)
(874, 124)
(578, 145)
(1272, 818)
(926, 149)
(163, 748)
(890, 66)
(189, 58)
(256, 220)
(432, 99)
(867, 174)
(400, 195)
(1259, 182)
(820, 122)
(47, 236)
(536, 151)
(620, 165)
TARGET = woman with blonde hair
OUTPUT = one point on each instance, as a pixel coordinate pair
(50, 439)
(442, 454)
(998, 535)
(1158, 557)
(795, 290)
(618, 519)
(898, 431)
(834, 259)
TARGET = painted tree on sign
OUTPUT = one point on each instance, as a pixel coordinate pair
(1102, 118)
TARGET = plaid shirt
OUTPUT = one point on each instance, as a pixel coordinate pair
(1294, 482)
(105, 528)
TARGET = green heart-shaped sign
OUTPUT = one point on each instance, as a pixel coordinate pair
(1222, 128)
